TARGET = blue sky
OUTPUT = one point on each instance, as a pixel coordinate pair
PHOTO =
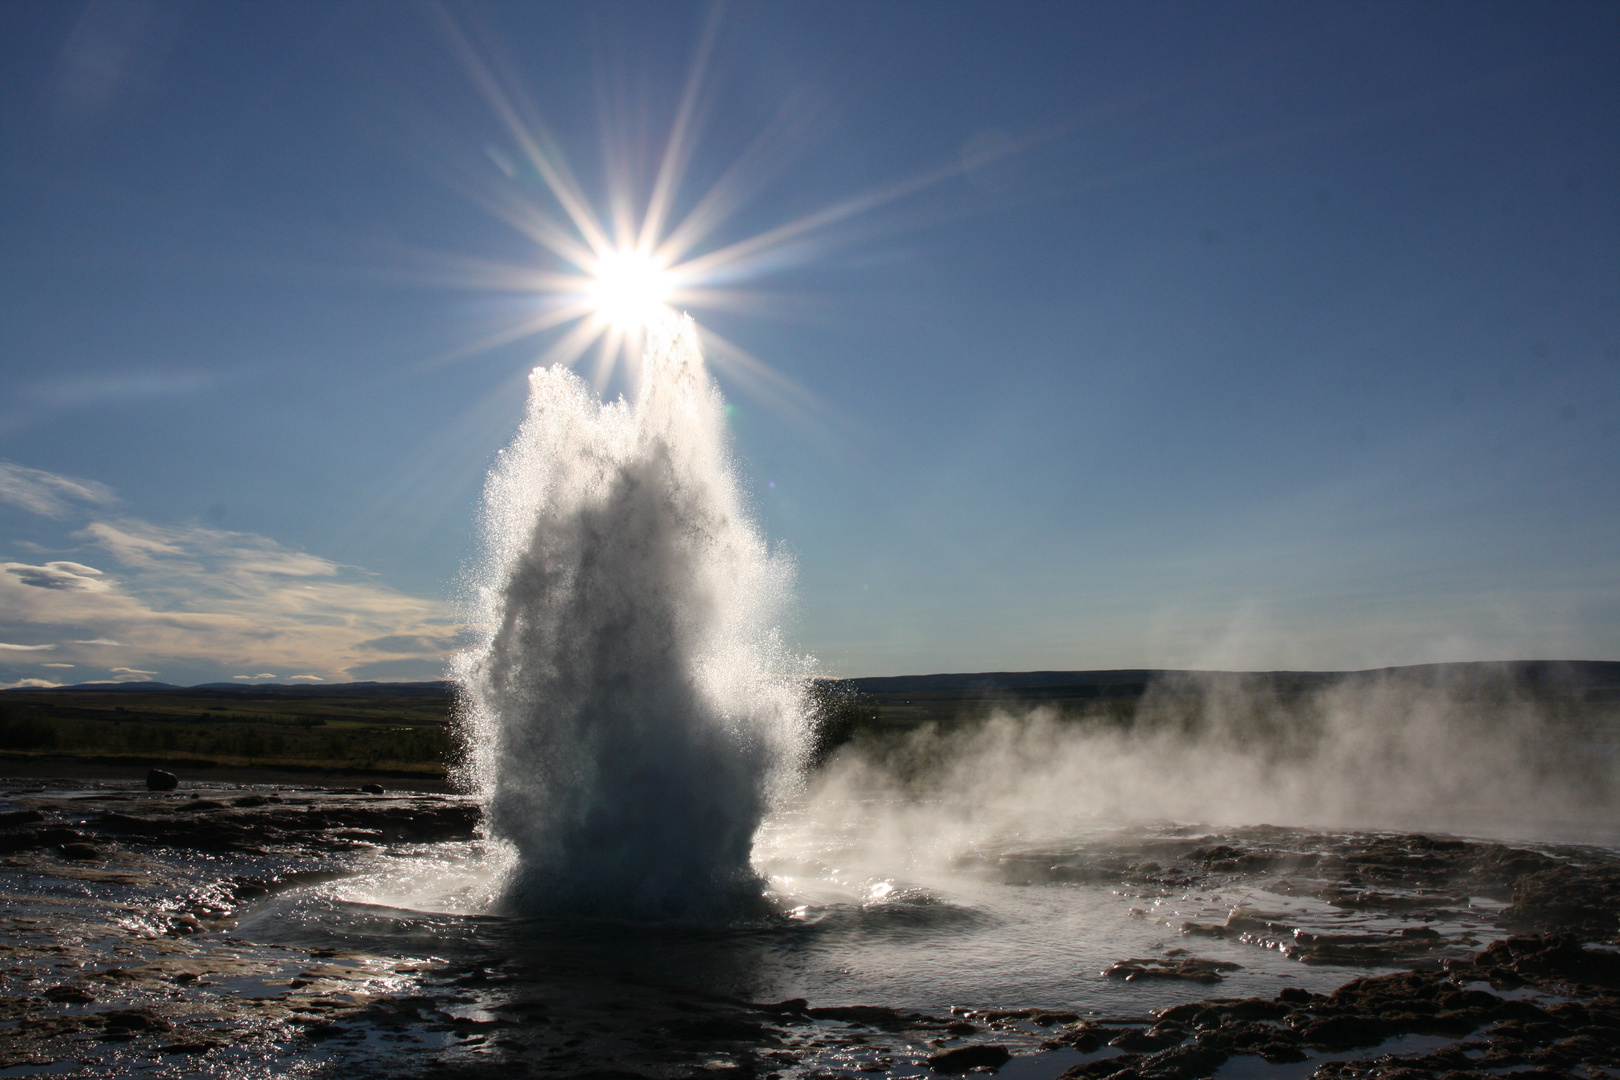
(1243, 336)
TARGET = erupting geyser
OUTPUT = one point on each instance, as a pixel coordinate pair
(631, 711)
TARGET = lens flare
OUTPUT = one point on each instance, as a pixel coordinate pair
(604, 283)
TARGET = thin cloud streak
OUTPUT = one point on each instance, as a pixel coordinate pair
(49, 494)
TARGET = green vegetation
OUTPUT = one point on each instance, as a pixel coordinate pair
(406, 727)
(403, 732)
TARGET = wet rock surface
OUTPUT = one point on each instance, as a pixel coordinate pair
(1572, 1023)
(123, 953)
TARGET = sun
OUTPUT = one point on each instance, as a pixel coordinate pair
(606, 282)
(630, 290)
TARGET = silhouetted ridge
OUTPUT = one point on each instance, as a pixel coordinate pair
(1600, 675)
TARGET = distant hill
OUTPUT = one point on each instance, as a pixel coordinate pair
(910, 698)
(118, 687)
(1573, 673)
(1592, 680)
(354, 689)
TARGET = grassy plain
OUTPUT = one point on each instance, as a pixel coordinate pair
(374, 729)
(403, 729)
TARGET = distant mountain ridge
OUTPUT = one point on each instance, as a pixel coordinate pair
(1602, 676)
(1596, 683)
(1568, 676)
(1570, 673)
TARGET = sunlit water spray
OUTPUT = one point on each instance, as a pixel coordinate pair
(631, 712)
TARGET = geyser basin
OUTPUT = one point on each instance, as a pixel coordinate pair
(631, 712)
(191, 945)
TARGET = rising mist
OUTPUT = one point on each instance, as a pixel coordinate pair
(1451, 751)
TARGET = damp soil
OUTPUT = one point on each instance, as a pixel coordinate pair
(133, 943)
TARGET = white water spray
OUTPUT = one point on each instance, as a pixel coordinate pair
(631, 712)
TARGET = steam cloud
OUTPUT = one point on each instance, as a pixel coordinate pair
(1370, 752)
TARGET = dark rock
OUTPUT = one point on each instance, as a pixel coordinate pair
(1181, 1063)
(1469, 999)
(248, 888)
(1343, 1032)
(1120, 1067)
(134, 1020)
(47, 1027)
(1084, 1037)
(159, 780)
(1218, 853)
(716, 1029)
(995, 1016)
(12, 818)
(1255, 1009)
(1557, 958)
(1214, 930)
(373, 789)
(76, 995)
(1139, 1042)
(1242, 921)
(1245, 1037)
(874, 1016)
(81, 852)
(963, 1058)
(1180, 1013)
(201, 1046)
(1191, 969)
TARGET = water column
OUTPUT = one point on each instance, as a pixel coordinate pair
(630, 712)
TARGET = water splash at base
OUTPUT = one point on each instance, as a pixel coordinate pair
(631, 712)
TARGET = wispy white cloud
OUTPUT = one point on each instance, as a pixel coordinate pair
(198, 599)
(58, 665)
(250, 678)
(49, 494)
(413, 643)
(306, 678)
(30, 684)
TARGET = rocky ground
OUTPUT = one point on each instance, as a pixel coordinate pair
(120, 955)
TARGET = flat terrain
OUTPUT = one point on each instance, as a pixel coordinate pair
(328, 734)
(142, 938)
(274, 733)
